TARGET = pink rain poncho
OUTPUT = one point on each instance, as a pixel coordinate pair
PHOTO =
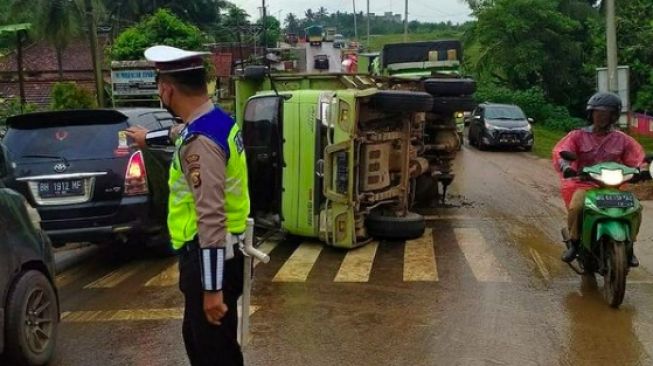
(592, 149)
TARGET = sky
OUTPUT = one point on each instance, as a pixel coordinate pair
(422, 10)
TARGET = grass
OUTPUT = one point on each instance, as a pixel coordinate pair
(378, 41)
(545, 140)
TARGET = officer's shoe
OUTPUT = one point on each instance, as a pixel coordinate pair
(633, 261)
(570, 254)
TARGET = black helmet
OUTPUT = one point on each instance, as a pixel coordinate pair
(604, 101)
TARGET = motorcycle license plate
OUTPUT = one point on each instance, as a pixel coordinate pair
(622, 200)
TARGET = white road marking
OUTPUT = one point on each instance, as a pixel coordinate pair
(484, 264)
(419, 259)
(357, 265)
(300, 263)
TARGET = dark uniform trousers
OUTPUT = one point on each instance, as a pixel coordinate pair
(208, 344)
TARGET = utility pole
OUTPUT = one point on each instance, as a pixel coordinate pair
(265, 28)
(368, 24)
(613, 82)
(355, 25)
(19, 62)
(406, 23)
(92, 31)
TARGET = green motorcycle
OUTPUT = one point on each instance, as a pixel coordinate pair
(610, 216)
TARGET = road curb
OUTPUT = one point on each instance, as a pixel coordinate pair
(67, 259)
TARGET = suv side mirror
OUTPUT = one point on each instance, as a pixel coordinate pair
(530, 120)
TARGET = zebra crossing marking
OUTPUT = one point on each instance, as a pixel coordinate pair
(484, 264)
(300, 263)
(167, 277)
(116, 277)
(357, 264)
(419, 259)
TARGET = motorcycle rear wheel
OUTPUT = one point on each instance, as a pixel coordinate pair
(614, 280)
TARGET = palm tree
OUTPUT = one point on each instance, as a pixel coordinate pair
(309, 14)
(322, 13)
(56, 21)
(292, 23)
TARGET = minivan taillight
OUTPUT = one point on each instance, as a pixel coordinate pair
(136, 176)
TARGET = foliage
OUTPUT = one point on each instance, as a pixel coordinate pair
(68, 95)
(11, 107)
(533, 102)
(161, 28)
(272, 31)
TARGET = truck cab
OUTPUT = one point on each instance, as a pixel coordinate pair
(328, 159)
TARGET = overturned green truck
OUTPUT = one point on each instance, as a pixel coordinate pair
(332, 157)
(434, 67)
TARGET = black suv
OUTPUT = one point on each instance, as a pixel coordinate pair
(29, 306)
(500, 125)
(84, 177)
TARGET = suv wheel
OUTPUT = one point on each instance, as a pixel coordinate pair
(402, 101)
(32, 320)
(380, 226)
(450, 87)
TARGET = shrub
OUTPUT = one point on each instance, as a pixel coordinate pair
(68, 95)
(534, 103)
(11, 107)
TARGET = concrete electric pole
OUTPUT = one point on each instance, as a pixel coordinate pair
(611, 28)
(92, 31)
(368, 24)
(406, 23)
(355, 23)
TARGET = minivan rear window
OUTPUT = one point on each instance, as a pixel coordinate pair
(71, 142)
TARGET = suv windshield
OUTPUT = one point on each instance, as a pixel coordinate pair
(72, 142)
(504, 112)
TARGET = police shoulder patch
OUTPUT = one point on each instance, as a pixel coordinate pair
(195, 178)
(192, 158)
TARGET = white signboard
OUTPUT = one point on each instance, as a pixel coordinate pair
(623, 81)
(134, 82)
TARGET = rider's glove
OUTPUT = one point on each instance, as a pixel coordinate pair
(569, 172)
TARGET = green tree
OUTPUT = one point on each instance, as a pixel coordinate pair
(56, 21)
(526, 43)
(292, 24)
(69, 95)
(272, 32)
(162, 27)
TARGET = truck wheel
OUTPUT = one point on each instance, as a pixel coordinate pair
(447, 105)
(402, 101)
(381, 226)
(32, 320)
(450, 87)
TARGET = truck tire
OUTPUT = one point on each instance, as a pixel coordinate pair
(402, 101)
(31, 292)
(380, 226)
(447, 105)
(450, 87)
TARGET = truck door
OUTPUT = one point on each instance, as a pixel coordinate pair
(262, 137)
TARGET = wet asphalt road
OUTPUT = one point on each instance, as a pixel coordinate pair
(490, 290)
(325, 49)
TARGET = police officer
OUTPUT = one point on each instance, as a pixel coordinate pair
(208, 205)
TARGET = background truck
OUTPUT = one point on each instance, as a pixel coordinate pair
(433, 67)
(333, 155)
(329, 34)
(314, 35)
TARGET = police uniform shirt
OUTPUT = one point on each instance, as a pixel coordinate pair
(204, 166)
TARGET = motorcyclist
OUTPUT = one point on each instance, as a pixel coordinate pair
(597, 143)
